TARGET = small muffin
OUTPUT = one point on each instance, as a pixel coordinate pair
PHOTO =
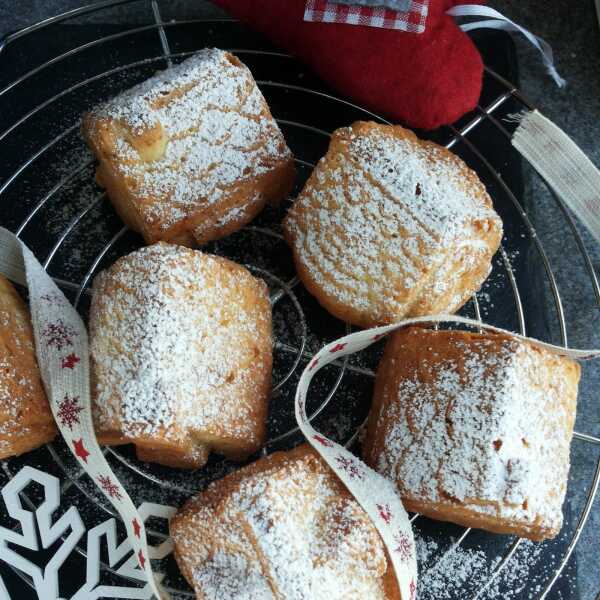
(26, 420)
(192, 154)
(475, 429)
(181, 355)
(389, 226)
(283, 527)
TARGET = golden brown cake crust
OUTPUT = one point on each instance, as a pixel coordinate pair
(193, 153)
(282, 527)
(475, 429)
(389, 226)
(181, 352)
(26, 420)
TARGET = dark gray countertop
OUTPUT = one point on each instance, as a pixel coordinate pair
(572, 30)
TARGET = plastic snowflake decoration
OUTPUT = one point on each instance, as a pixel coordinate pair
(68, 411)
(403, 547)
(59, 335)
(348, 465)
(26, 551)
(112, 489)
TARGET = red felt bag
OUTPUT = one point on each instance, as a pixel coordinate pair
(422, 80)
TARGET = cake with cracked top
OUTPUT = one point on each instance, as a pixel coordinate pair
(193, 153)
(475, 429)
(282, 527)
(389, 226)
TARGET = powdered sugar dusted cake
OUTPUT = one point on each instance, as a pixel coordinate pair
(283, 527)
(475, 429)
(389, 226)
(181, 354)
(26, 420)
(193, 153)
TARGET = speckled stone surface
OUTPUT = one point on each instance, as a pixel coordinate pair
(572, 30)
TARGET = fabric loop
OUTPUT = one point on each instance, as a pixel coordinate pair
(498, 21)
(566, 168)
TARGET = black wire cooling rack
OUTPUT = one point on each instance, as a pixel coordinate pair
(47, 196)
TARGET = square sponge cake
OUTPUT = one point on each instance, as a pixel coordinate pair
(181, 356)
(475, 429)
(389, 226)
(282, 527)
(193, 153)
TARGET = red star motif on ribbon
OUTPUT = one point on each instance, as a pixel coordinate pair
(348, 465)
(404, 546)
(80, 450)
(111, 488)
(323, 441)
(384, 512)
(337, 348)
(68, 411)
(136, 528)
(141, 559)
(313, 364)
(69, 362)
(378, 336)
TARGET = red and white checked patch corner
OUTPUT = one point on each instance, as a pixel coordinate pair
(412, 20)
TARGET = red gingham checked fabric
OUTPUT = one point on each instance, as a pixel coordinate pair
(412, 20)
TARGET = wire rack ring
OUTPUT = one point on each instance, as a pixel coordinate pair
(296, 340)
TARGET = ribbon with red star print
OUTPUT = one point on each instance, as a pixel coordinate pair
(62, 351)
(375, 494)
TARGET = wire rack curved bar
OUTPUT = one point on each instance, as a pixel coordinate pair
(484, 114)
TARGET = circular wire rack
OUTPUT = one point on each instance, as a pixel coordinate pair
(48, 198)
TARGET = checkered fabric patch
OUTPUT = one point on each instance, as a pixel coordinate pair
(412, 19)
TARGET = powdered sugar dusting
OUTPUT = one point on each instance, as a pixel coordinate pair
(463, 572)
(290, 531)
(383, 216)
(489, 431)
(228, 575)
(234, 213)
(219, 129)
(25, 416)
(15, 384)
(174, 337)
